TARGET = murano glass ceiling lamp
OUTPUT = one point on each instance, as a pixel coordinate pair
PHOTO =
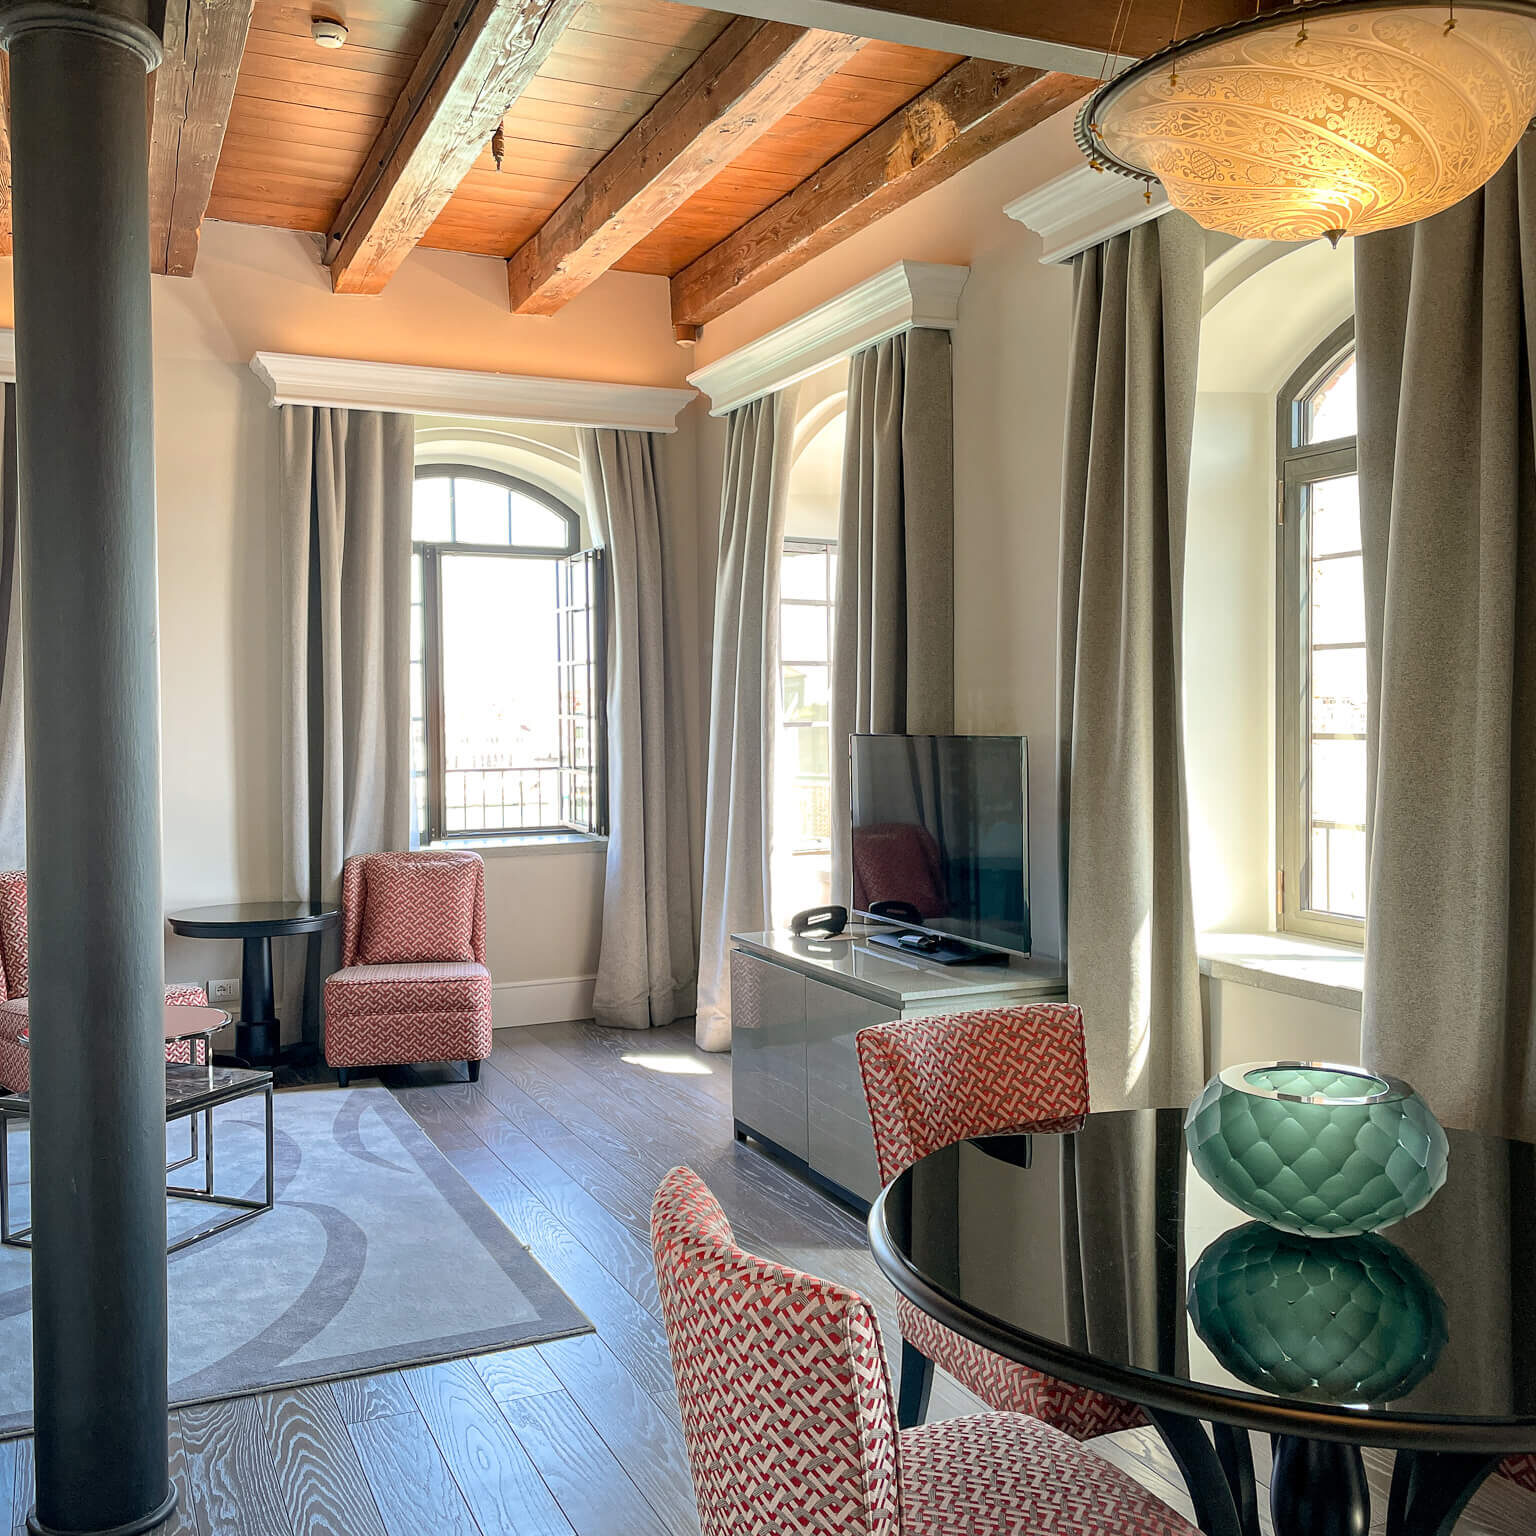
(1326, 117)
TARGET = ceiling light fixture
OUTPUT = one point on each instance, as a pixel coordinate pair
(1327, 117)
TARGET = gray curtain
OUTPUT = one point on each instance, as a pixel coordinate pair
(1446, 322)
(895, 613)
(345, 487)
(742, 716)
(646, 962)
(1130, 933)
(13, 794)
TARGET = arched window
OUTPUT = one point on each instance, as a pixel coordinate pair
(507, 660)
(1321, 649)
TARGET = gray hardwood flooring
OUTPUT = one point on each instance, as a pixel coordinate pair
(566, 1135)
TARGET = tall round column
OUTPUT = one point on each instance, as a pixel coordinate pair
(87, 503)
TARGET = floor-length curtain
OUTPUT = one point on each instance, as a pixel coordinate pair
(744, 674)
(13, 794)
(646, 959)
(1445, 325)
(1131, 962)
(345, 488)
(894, 653)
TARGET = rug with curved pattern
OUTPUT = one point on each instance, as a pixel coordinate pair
(376, 1254)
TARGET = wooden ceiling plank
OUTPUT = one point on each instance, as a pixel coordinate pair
(481, 55)
(737, 89)
(680, 25)
(973, 109)
(193, 93)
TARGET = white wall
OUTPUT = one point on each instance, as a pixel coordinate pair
(216, 444)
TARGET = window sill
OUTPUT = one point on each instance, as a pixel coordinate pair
(529, 843)
(1277, 962)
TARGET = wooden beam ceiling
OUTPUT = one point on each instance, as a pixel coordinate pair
(733, 93)
(194, 88)
(973, 109)
(5, 154)
(480, 57)
(1045, 34)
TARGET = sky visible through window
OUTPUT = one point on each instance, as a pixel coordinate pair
(1335, 643)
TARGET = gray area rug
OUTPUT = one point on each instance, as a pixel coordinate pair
(376, 1254)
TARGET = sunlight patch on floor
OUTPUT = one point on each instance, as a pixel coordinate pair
(673, 1066)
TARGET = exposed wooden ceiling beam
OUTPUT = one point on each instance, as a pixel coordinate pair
(969, 111)
(480, 58)
(194, 88)
(1043, 34)
(5, 154)
(732, 94)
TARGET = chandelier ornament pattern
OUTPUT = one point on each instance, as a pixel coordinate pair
(1327, 118)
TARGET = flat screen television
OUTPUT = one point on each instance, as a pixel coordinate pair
(941, 825)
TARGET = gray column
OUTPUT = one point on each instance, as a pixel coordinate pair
(87, 498)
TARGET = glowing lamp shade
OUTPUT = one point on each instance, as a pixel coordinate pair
(1325, 118)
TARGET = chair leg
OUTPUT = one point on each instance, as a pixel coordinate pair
(342, 1074)
(474, 1071)
(916, 1385)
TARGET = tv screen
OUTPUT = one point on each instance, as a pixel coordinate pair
(942, 824)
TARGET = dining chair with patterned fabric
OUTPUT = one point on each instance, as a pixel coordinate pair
(787, 1414)
(930, 1083)
(15, 1053)
(1520, 1470)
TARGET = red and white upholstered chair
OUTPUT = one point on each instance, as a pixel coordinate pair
(1520, 1470)
(933, 1082)
(786, 1408)
(413, 984)
(15, 1056)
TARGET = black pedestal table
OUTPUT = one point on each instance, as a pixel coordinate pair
(255, 924)
(1072, 1252)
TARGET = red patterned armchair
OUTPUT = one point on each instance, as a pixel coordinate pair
(15, 1057)
(933, 1082)
(413, 984)
(786, 1408)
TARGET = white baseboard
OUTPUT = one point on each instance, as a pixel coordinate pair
(541, 1002)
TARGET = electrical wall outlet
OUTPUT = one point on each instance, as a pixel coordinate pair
(227, 991)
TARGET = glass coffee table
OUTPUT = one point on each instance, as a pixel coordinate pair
(190, 1091)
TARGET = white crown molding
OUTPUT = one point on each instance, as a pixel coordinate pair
(1083, 207)
(335, 381)
(910, 294)
(7, 357)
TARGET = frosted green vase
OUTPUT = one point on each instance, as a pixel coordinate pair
(1353, 1320)
(1320, 1150)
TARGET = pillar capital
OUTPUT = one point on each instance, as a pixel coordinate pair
(123, 26)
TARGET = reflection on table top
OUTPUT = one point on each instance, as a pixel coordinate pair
(1105, 1246)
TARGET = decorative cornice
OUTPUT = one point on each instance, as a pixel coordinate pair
(1083, 207)
(910, 294)
(402, 387)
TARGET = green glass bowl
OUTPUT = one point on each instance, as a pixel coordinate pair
(1352, 1320)
(1316, 1149)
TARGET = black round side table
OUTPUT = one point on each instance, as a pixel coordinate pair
(255, 924)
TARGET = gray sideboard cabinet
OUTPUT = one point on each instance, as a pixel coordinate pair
(796, 1006)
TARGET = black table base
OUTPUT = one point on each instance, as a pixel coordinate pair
(1317, 1487)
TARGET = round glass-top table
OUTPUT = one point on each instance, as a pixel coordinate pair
(1100, 1256)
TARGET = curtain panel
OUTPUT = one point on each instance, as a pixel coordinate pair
(646, 959)
(345, 483)
(1445, 326)
(1130, 933)
(743, 711)
(895, 609)
(13, 788)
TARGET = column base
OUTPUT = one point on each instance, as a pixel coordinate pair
(144, 1523)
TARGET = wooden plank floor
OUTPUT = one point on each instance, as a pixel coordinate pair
(566, 1136)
